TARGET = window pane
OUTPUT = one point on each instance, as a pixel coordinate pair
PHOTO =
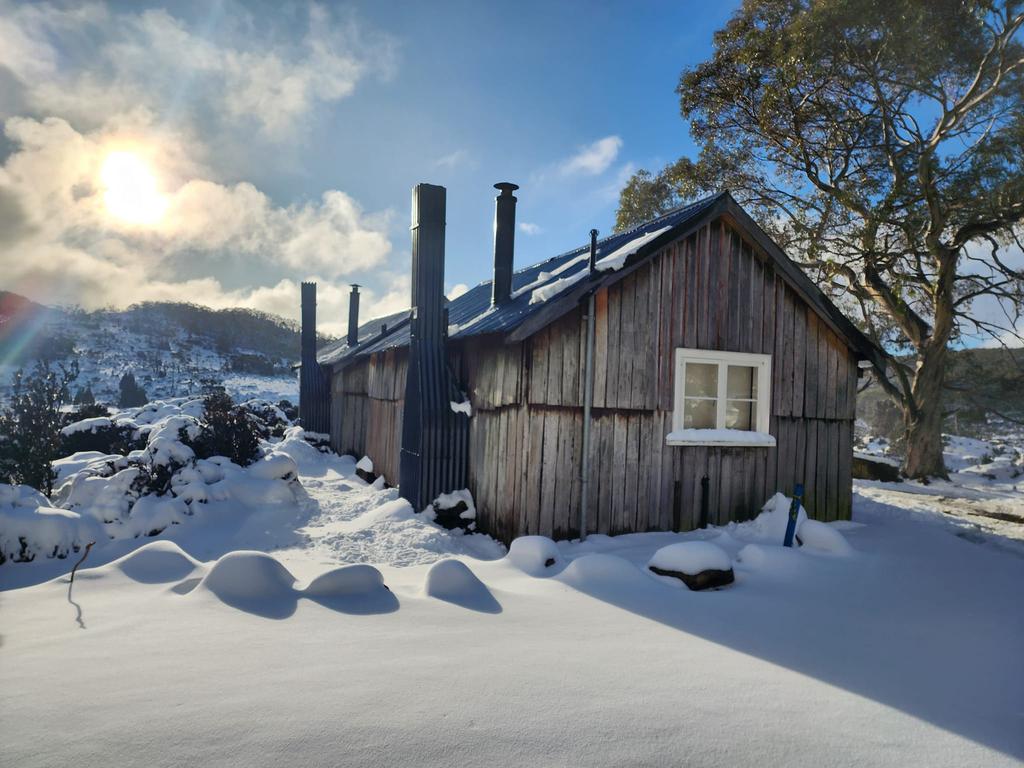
(742, 381)
(699, 414)
(701, 380)
(740, 414)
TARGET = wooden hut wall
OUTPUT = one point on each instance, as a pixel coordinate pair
(711, 290)
(385, 387)
(350, 409)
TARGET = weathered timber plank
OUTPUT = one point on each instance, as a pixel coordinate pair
(600, 347)
(627, 345)
(687, 284)
(611, 396)
(618, 487)
(799, 356)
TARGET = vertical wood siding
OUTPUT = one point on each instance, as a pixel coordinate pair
(710, 290)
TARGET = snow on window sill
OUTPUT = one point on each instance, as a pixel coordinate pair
(734, 437)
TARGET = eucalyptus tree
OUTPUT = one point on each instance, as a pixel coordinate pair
(880, 142)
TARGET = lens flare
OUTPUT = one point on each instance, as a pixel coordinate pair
(130, 189)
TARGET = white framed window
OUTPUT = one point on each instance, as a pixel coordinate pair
(721, 398)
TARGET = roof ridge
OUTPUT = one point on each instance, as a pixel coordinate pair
(580, 249)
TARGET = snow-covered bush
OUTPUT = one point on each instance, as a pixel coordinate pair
(226, 430)
(97, 433)
(30, 425)
(176, 456)
(30, 526)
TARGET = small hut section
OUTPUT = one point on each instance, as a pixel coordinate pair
(710, 281)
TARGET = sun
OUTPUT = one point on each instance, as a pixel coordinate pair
(130, 189)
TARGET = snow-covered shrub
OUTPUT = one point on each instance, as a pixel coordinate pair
(30, 425)
(289, 409)
(31, 527)
(269, 419)
(226, 430)
(98, 433)
(454, 510)
(172, 462)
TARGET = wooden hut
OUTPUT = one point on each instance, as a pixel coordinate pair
(719, 374)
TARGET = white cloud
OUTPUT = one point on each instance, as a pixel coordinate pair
(458, 158)
(529, 229)
(593, 159)
(69, 248)
(154, 62)
(89, 80)
(457, 290)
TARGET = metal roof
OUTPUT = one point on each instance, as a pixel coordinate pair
(533, 288)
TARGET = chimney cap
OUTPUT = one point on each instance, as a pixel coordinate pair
(356, 286)
(506, 186)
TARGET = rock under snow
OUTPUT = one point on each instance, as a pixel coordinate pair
(822, 536)
(453, 582)
(246, 579)
(691, 557)
(535, 555)
(359, 579)
(600, 571)
(156, 563)
(698, 564)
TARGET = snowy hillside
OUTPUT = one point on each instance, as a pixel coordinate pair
(298, 615)
(171, 349)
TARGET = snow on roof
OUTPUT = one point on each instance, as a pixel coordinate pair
(473, 314)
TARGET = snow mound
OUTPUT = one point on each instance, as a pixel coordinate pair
(30, 527)
(815, 534)
(150, 515)
(307, 459)
(80, 460)
(535, 555)
(782, 563)
(87, 425)
(453, 582)
(245, 579)
(357, 579)
(276, 466)
(771, 523)
(691, 558)
(598, 570)
(156, 563)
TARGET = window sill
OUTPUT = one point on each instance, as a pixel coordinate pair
(737, 438)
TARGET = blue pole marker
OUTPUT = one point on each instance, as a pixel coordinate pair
(794, 513)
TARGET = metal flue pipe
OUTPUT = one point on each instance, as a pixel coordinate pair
(504, 241)
(588, 397)
(353, 316)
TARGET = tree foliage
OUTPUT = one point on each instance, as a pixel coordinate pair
(228, 430)
(880, 143)
(132, 393)
(30, 425)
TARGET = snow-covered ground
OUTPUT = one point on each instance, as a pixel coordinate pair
(198, 648)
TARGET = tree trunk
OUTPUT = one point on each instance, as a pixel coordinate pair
(923, 417)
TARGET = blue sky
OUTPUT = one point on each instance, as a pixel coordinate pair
(221, 152)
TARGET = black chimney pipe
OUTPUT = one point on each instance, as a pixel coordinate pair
(353, 316)
(504, 241)
(593, 250)
(434, 451)
(314, 395)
